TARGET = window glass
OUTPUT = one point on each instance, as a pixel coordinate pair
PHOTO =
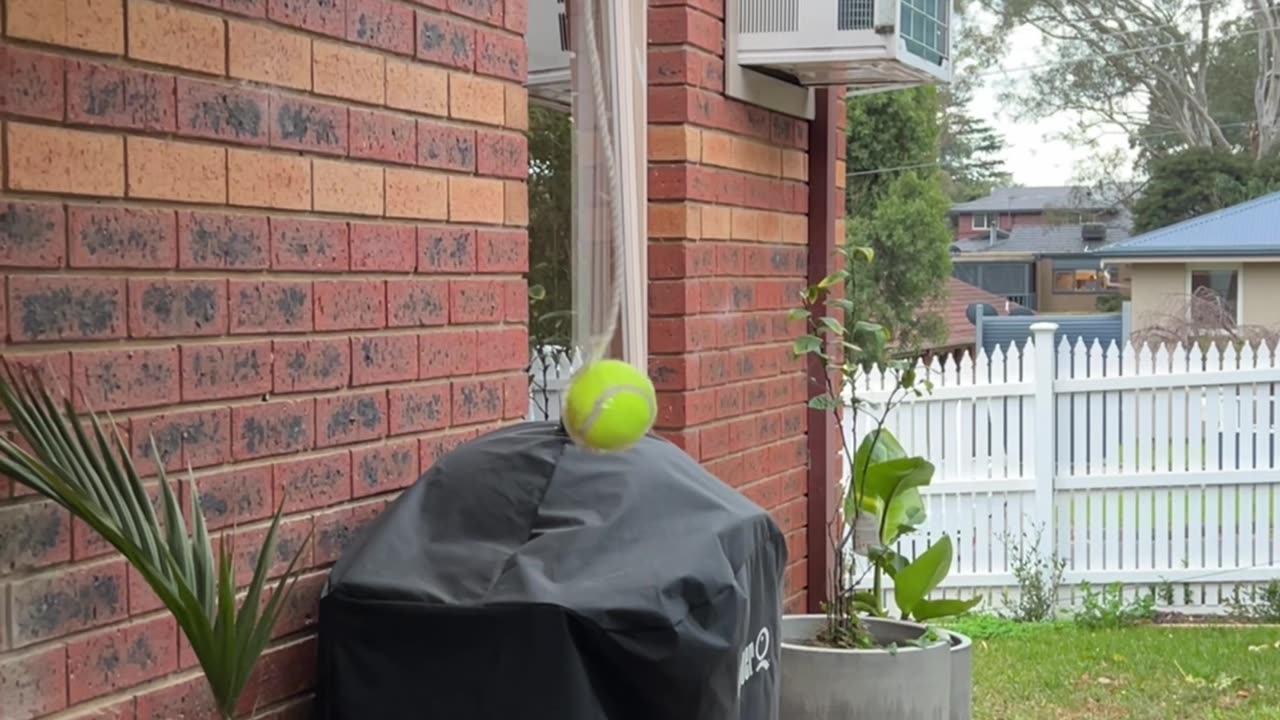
(980, 222)
(1216, 294)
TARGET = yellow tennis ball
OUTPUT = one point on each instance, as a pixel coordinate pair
(609, 406)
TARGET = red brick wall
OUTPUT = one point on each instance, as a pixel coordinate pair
(728, 250)
(286, 238)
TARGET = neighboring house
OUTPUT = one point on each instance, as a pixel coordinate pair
(961, 333)
(1036, 245)
(1233, 253)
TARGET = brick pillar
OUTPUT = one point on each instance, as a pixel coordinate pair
(728, 254)
(287, 240)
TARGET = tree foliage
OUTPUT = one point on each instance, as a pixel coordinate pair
(900, 214)
(550, 226)
(1196, 181)
(969, 149)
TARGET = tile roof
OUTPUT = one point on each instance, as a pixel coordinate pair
(960, 295)
(1249, 229)
(1034, 199)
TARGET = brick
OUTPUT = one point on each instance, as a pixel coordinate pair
(674, 221)
(335, 530)
(503, 349)
(345, 187)
(795, 165)
(93, 25)
(381, 24)
(446, 147)
(516, 16)
(681, 334)
(236, 497)
(275, 180)
(47, 159)
(121, 658)
(476, 99)
(313, 482)
(476, 401)
(515, 397)
(31, 84)
(226, 370)
(34, 685)
(516, 202)
(350, 305)
(502, 154)
(100, 94)
(248, 8)
(107, 237)
(269, 55)
(327, 17)
(383, 248)
(431, 449)
(185, 439)
(677, 260)
(674, 143)
(417, 88)
(124, 379)
(673, 297)
(384, 468)
(503, 251)
(380, 359)
(172, 35)
(190, 698)
(32, 235)
(678, 372)
(299, 124)
(486, 11)
(446, 250)
(309, 245)
(516, 300)
(517, 107)
(417, 194)
(350, 418)
(476, 200)
(301, 611)
(382, 136)
(503, 56)
(221, 112)
(417, 303)
(475, 301)
(443, 41)
(211, 241)
(177, 308)
(717, 223)
(65, 308)
(420, 408)
(447, 354)
(33, 535)
(349, 72)
(304, 365)
(168, 170)
(270, 306)
(277, 428)
(51, 606)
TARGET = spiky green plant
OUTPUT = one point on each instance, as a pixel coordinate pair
(96, 481)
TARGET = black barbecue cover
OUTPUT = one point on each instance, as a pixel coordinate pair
(522, 578)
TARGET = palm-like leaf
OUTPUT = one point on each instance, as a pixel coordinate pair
(94, 479)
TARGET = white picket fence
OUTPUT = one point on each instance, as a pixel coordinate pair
(1154, 470)
(550, 368)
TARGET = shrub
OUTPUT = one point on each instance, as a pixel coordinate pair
(1039, 576)
(1109, 608)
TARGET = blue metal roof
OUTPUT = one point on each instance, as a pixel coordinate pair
(1249, 229)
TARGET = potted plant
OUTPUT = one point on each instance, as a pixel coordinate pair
(865, 658)
(88, 471)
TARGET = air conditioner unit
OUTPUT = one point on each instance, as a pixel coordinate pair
(866, 45)
(548, 38)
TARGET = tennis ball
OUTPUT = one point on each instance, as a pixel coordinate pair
(609, 406)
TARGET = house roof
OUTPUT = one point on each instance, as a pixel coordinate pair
(960, 295)
(1049, 239)
(1247, 229)
(1034, 199)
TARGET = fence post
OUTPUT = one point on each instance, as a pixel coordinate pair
(1045, 433)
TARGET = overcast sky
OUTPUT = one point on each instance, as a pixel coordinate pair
(1031, 155)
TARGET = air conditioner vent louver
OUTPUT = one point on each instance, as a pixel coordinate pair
(769, 16)
(856, 14)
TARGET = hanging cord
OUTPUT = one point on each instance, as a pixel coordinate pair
(599, 345)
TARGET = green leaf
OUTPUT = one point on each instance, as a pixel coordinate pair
(926, 610)
(798, 314)
(806, 344)
(537, 292)
(878, 446)
(833, 279)
(833, 325)
(915, 581)
(865, 252)
(823, 402)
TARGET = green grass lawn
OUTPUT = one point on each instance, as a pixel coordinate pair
(1062, 672)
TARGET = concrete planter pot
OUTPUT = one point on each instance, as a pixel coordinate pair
(828, 684)
(961, 676)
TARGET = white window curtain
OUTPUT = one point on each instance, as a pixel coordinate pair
(620, 48)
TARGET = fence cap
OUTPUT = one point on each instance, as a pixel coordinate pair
(1044, 327)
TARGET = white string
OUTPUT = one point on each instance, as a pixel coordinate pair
(599, 345)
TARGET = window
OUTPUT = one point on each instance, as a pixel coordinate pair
(1215, 296)
(981, 222)
(1077, 276)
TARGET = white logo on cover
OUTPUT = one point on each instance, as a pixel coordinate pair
(754, 658)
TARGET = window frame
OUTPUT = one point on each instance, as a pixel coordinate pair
(986, 221)
(1098, 275)
(1236, 268)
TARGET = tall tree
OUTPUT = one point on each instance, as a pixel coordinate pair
(550, 226)
(1197, 181)
(969, 149)
(897, 207)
